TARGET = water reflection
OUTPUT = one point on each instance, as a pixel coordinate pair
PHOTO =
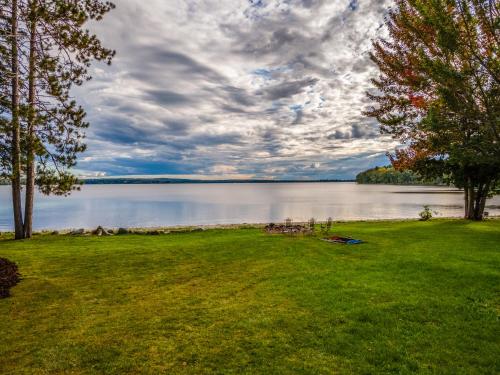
(199, 204)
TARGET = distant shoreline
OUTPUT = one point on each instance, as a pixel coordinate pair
(159, 181)
(173, 181)
(170, 181)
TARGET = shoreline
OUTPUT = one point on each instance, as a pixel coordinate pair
(199, 228)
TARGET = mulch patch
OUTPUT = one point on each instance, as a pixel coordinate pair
(9, 277)
(287, 229)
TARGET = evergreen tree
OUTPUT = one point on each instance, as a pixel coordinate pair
(5, 89)
(15, 123)
(439, 92)
(55, 55)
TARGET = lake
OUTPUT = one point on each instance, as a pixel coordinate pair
(204, 204)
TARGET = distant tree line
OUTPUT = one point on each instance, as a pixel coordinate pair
(389, 175)
(140, 181)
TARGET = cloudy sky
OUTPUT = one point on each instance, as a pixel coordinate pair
(235, 89)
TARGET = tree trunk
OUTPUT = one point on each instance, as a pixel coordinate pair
(16, 129)
(477, 202)
(30, 132)
(466, 196)
(482, 203)
(475, 199)
(472, 199)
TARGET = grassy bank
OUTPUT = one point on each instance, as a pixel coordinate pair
(417, 297)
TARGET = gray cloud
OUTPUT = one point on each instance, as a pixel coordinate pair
(156, 59)
(166, 97)
(178, 128)
(356, 131)
(288, 89)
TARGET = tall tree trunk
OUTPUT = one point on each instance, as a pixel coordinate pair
(482, 203)
(466, 196)
(475, 199)
(30, 133)
(482, 196)
(470, 198)
(16, 128)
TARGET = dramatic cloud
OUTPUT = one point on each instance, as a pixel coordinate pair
(235, 88)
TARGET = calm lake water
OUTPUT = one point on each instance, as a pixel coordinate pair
(203, 204)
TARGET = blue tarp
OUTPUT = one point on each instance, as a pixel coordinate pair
(343, 240)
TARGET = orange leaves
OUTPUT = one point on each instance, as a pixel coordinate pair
(418, 101)
(406, 159)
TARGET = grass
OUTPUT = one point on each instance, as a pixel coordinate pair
(416, 298)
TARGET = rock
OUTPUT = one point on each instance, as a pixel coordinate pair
(122, 231)
(77, 232)
(155, 232)
(55, 233)
(99, 231)
(197, 229)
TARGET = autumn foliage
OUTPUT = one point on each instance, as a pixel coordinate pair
(438, 92)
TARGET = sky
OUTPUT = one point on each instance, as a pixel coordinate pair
(267, 89)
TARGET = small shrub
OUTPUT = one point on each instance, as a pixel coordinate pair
(9, 277)
(426, 214)
(312, 224)
(329, 224)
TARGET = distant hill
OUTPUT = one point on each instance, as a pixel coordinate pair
(388, 175)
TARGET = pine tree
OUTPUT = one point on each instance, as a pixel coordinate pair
(55, 56)
(15, 126)
(439, 92)
(5, 89)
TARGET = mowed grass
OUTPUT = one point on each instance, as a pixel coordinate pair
(416, 298)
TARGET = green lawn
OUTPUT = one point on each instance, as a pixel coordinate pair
(416, 298)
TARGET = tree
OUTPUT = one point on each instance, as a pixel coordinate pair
(10, 127)
(15, 126)
(391, 176)
(56, 54)
(5, 89)
(439, 92)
